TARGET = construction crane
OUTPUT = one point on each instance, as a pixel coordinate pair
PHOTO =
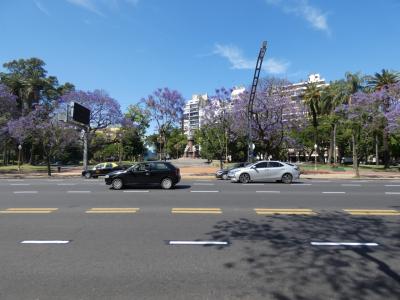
(251, 99)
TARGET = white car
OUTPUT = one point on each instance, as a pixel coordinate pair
(266, 171)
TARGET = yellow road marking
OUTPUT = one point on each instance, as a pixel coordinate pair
(377, 212)
(284, 211)
(196, 210)
(112, 210)
(28, 210)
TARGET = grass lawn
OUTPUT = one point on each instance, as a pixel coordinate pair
(24, 168)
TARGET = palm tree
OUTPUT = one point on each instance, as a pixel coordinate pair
(354, 84)
(312, 99)
(378, 82)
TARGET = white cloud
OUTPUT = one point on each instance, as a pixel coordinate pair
(87, 4)
(314, 16)
(41, 7)
(95, 5)
(237, 60)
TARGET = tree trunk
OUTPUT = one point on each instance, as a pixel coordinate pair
(334, 144)
(330, 151)
(355, 158)
(386, 148)
(376, 150)
(48, 164)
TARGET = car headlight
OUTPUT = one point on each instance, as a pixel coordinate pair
(107, 176)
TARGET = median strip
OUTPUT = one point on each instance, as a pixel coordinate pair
(196, 210)
(112, 210)
(376, 212)
(284, 211)
(28, 210)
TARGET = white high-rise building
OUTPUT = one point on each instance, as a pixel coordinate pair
(193, 113)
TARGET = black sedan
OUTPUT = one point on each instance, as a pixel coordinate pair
(223, 173)
(146, 173)
(101, 170)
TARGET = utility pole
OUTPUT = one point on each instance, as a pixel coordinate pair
(256, 76)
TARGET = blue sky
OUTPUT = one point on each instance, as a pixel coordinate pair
(131, 47)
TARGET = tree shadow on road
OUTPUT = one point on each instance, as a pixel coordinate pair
(277, 256)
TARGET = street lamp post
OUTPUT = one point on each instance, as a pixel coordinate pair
(315, 156)
(19, 157)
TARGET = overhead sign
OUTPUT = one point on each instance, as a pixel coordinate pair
(79, 113)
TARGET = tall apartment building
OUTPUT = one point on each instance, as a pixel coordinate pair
(193, 112)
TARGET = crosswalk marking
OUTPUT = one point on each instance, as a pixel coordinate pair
(377, 212)
(113, 210)
(28, 210)
(284, 211)
(196, 210)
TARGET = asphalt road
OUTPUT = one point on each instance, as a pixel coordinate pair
(128, 244)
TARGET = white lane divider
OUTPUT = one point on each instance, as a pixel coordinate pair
(61, 184)
(361, 180)
(270, 192)
(20, 184)
(392, 184)
(25, 192)
(333, 192)
(204, 191)
(254, 184)
(321, 181)
(79, 192)
(300, 184)
(44, 242)
(133, 191)
(350, 184)
(15, 180)
(203, 183)
(197, 243)
(392, 193)
(55, 180)
(343, 244)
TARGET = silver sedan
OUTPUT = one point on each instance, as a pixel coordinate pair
(266, 171)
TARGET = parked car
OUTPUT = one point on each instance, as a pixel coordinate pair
(346, 160)
(266, 171)
(223, 173)
(145, 173)
(101, 170)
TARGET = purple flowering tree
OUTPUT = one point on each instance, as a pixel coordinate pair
(41, 128)
(165, 108)
(217, 125)
(275, 115)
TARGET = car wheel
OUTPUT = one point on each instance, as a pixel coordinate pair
(225, 176)
(88, 175)
(244, 178)
(287, 178)
(117, 184)
(166, 183)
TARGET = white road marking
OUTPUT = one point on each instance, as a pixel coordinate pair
(55, 180)
(14, 180)
(25, 192)
(361, 181)
(321, 181)
(333, 192)
(19, 184)
(130, 191)
(197, 243)
(204, 191)
(392, 193)
(254, 184)
(44, 242)
(79, 192)
(347, 184)
(66, 183)
(343, 244)
(272, 192)
(300, 184)
(203, 184)
(392, 184)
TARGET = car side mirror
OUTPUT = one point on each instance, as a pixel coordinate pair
(253, 167)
